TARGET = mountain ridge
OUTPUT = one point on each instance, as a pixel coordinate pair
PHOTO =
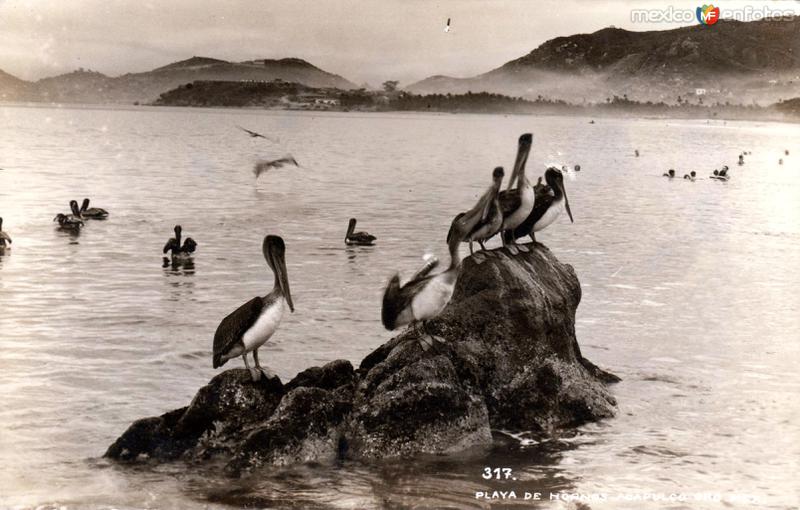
(86, 86)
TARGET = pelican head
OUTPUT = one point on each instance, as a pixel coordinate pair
(523, 149)
(274, 251)
(497, 176)
(73, 205)
(555, 179)
(85, 204)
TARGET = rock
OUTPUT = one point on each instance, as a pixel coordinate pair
(504, 356)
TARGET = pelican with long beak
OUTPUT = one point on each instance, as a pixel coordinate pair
(72, 221)
(253, 323)
(549, 206)
(424, 296)
(357, 238)
(94, 213)
(178, 250)
(516, 204)
(484, 220)
(5, 239)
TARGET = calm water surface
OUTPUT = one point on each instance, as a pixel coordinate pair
(689, 294)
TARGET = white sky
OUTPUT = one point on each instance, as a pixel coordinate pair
(365, 40)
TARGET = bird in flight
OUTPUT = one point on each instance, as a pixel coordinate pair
(253, 134)
(265, 166)
(447, 27)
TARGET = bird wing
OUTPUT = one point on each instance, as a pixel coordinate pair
(491, 210)
(509, 201)
(541, 204)
(230, 330)
(465, 222)
(396, 298)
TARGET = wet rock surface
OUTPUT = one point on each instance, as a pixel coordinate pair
(503, 355)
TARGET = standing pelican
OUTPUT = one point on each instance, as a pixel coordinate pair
(484, 220)
(357, 238)
(174, 245)
(253, 323)
(424, 296)
(94, 213)
(548, 206)
(517, 203)
(4, 238)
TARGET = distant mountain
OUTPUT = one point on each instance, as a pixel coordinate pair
(729, 58)
(84, 86)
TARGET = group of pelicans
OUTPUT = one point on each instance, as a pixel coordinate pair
(519, 211)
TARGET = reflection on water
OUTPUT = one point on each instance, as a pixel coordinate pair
(689, 294)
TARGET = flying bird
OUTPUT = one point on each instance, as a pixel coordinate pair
(253, 134)
(265, 166)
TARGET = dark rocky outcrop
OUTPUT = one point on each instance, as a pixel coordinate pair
(504, 356)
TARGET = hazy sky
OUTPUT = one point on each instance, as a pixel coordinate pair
(366, 40)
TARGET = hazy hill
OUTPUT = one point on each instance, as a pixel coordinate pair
(92, 87)
(730, 59)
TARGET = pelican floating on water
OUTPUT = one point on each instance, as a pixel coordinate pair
(5, 239)
(669, 174)
(94, 213)
(357, 238)
(690, 176)
(174, 245)
(483, 221)
(70, 221)
(549, 205)
(424, 296)
(516, 204)
(253, 323)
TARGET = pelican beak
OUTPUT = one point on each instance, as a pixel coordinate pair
(523, 149)
(566, 199)
(275, 250)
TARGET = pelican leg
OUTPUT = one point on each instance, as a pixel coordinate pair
(482, 246)
(470, 248)
(269, 373)
(424, 342)
(254, 372)
(512, 246)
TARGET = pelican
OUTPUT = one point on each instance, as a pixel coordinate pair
(265, 166)
(424, 296)
(253, 134)
(741, 159)
(94, 213)
(174, 245)
(549, 205)
(669, 174)
(690, 176)
(5, 239)
(70, 221)
(253, 323)
(484, 220)
(357, 238)
(636, 153)
(786, 152)
(517, 203)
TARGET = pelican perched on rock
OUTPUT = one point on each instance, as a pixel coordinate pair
(253, 323)
(550, 203)
(357, 238)
(483, 221)
(5, 239)
(174, 245)
(424, 296)
(70, 221)
(94, 213)
(516, 204)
